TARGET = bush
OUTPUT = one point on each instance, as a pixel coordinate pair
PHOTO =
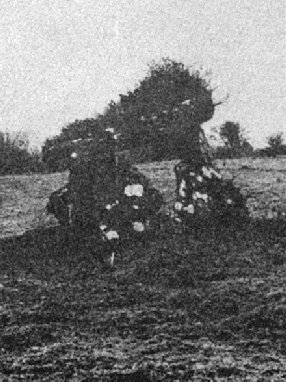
(160, 120)
(15, 157)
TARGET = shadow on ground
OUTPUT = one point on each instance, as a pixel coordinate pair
(176, 307)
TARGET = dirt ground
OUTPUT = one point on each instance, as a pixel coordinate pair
(178, 307)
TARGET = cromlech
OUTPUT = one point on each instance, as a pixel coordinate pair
(110, 201)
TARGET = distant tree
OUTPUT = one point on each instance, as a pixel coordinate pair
(231, 136)
(276, 145)
(246, 148)
(262, 153)
(15, 156)
(235, 144)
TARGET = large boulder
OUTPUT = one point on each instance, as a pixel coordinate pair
(203, 197)
(106, 199)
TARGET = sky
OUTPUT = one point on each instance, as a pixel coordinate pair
(62, 60)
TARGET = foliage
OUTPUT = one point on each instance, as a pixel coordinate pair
(57, 150)
(275, 141)
(276, 145)
(15, 156)
(223, 152)
(160, 119)
(166, 110)
(235, 143)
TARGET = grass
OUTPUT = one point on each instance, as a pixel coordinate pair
(176, 307)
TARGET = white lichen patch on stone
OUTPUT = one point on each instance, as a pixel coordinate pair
(198, 195)
(206, 172)
(215, 173)
(182, 189)
(178, 206)
(70, 208)
(190, 209)
(110, 130)
(112, 235)
(134, 190)
(110, 206)
(112, 257)
(138, 226)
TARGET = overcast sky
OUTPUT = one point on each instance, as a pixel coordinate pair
(62, 60)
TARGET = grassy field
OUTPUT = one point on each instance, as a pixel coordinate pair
(23, 198)
(176, 308)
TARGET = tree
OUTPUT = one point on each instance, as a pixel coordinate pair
(235, 144)
(276, 145)
(15, 156)
(246, 149)
(160, 119)
(166, 110)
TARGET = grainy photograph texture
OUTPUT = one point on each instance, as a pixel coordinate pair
(142, 191)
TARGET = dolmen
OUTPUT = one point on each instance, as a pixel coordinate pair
(107, 201)
(203, 197)
(111, 203)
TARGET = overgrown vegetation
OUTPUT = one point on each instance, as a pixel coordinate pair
(235, 144)
(15, 156)
(154, 121)
(275, 146)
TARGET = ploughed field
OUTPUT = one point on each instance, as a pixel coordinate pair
(176, 308)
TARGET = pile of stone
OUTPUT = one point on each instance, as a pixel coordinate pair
(106, 198)
(204, 197)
